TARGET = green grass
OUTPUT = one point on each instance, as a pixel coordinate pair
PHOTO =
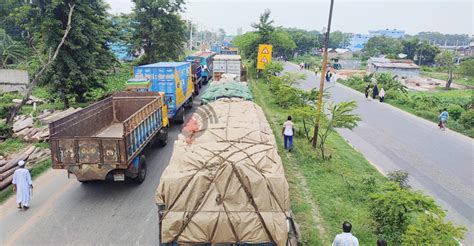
(458, 79)
(335, 185)
(35, 172)
(11, 145)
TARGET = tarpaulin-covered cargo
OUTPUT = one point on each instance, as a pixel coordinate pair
(225, 182)
(226, 89)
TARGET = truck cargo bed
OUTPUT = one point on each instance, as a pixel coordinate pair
(115, 130)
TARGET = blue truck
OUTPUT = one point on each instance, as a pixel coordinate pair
(172, 78)
(206, 59)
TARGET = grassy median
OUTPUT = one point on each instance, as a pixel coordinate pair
(323, 193)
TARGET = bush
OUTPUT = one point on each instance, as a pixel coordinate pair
(455, 111)
(5, 130)
(6, 103)
(400, 177)
(467, 119)
(429, 229)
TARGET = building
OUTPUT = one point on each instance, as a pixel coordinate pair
(404, 68)
(12, 80)
(358, 41)
(340, 54)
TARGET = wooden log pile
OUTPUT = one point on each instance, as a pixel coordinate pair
(31, 154)
(24, 127)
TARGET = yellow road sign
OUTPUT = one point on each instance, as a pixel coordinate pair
(264, 55)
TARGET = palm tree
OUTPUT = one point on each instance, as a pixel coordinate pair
(11, 51)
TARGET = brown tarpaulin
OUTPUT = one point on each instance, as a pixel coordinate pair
(225, 182)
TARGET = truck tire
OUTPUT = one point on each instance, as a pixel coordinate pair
(141, 175)
(189, 102)
(162, 137)
(180, 117)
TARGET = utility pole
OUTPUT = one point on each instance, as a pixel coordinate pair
(319, 103)
(191, 36)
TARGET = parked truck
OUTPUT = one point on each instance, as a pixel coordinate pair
(225, 183)
(105, 141)
(206, 61)
(172, 78)
(227, 64)
(196, 74)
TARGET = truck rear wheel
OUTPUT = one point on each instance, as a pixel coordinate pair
(141, 175)
(180, 116)
(162, 137)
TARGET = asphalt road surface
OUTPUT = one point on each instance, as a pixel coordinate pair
(66, 212)
(440, 163)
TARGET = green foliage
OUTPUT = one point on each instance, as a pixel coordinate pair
(400, 177)
(122, 32)
(5, 130)
(11, 52)
(445, 59)
(305, 41)
(455, 111)
(159, 30)
(264, 27)
(410, 47)
(381, 45)
(390, 83)
(426, 53)
(248, 44)
(6, 103)
(429, 229)
(339, 39)
(467, 68)
(272, 69)
(284, 44)
(11, 145)
(467, 119)
(393, 209)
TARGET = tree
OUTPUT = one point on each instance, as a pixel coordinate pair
(159, 30)
(11, 51)
(426, 53)
(264, 27)
(339, 39)
(393, 208)
(339, 115)
(46, 61)
(467, 68)
(381, 45)
(248, 44)
(446, 59)
(305, 41)
(410, 47)
(122, 33)
(282, 43)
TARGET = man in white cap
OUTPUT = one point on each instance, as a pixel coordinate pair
(21, 185)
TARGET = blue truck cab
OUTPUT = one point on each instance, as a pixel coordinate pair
(172, 78)
(206, 59)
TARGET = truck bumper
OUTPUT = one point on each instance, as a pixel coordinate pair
(92, 171)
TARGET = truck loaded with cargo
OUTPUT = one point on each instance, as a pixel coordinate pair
(205, 59)
(225, 183)
(227, 64)
(105, 141)
(172, 78)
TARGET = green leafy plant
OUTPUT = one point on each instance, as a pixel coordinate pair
(400, 177)
(455, 111)
(430, 229)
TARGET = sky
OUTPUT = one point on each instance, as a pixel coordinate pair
(355, 16)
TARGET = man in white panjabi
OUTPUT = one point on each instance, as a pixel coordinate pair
(22, 185)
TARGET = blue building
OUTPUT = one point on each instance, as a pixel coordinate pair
(358, 41)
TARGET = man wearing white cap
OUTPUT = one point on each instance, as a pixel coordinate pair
(21, 185)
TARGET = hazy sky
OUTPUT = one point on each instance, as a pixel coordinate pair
(413, 16)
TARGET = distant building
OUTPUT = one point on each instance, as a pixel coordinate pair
(358, 41)
(404, 68)
(12, 80)
(340, 54)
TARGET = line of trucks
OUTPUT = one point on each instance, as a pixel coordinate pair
(225, 183)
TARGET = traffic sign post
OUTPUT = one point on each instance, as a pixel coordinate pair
(264, 55)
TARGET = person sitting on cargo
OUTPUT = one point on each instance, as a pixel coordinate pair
(287, 131)
(345, 238)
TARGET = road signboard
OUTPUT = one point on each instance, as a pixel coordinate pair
(264, 55)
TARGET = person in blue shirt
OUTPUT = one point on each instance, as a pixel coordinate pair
(443, 118)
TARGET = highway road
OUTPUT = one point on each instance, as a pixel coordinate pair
(66, 212)
(439, 163)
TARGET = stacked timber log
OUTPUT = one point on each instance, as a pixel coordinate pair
(31, 154)
(24, 127)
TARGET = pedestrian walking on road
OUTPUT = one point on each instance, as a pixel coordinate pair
(443, 118)
(22, 185)
(301, 66)
(375, 92)
(328, 76)
(345, 238)
(367, 90)
(382, 95)
(288, 131)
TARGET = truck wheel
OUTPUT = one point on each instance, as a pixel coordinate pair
(162, 138)
(190, 102)
(141, 170)
(180, 116)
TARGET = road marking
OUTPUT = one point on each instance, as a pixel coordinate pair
(37, 216)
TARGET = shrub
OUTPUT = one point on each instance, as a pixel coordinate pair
(429, 229)
(400, 177)
(467, 119)
(5, 130)
(455, 111)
